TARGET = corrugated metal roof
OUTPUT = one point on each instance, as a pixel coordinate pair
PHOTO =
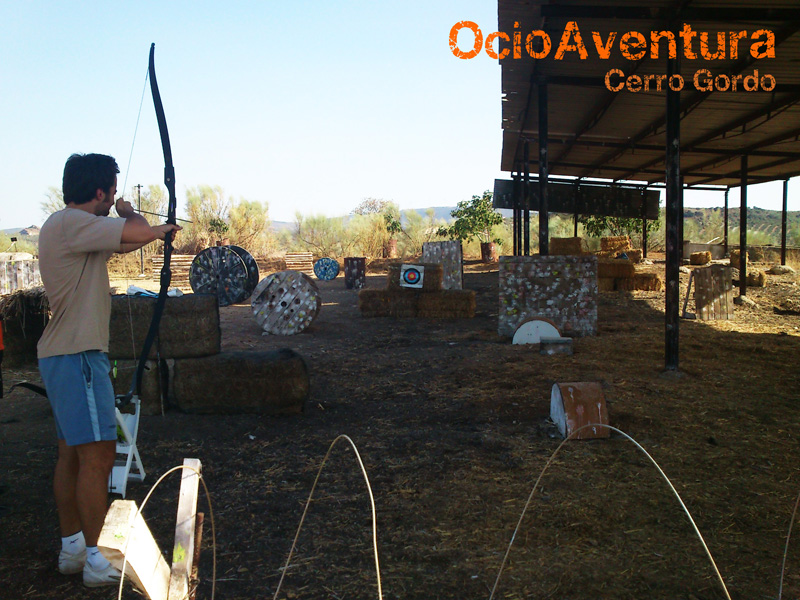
(595, 132)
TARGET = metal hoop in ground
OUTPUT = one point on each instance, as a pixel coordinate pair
(326, 269)
(220, 271)
(252, 268)
(286, 302)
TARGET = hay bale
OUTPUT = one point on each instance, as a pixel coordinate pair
(568, 246)
(188, 328)
(641, 282)
(736, 258)
(756, 278)
(431, 281)
(606, 284)
(447, 304)
(267, 383)
(700, 258)
(615, 244)
(635, 255)
(405, 303)
(25, 314)
(152, 378)
(616, 268)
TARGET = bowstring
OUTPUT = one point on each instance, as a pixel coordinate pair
(124, 188)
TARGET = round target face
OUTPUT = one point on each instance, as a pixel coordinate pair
(411, 276)
(326, 269)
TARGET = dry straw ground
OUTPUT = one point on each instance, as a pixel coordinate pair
(452, 423)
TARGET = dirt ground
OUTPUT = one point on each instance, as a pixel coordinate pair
(452, 423)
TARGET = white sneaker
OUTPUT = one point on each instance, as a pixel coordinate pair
(69, 564)
(106, 576)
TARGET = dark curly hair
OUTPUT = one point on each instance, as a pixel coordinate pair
(84, 174)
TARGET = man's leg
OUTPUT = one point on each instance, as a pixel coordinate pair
(64, 488)
(95, 461)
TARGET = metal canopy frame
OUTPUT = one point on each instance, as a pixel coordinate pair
(680, 140)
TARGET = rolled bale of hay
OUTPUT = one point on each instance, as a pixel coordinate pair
(613, 245)
(606, 284)
(615, 268)
(756, 278)
(122, 373)
(736, 258)
(189, 327)
(641, 282)
(568, 246)
(700, 258)
(267, 383)
(431, 277)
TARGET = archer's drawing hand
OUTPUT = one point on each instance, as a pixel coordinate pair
(124, 208)
(167, 229)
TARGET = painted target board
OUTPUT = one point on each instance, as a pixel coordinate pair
(412, 276)
(326, 269)
(286, 302)
(228, 272)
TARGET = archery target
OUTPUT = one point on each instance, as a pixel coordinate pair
(411, 276)
(326, 269)
(220, 271)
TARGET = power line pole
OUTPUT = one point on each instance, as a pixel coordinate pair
(141, 250)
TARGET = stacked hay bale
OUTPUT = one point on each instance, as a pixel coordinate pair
(571, 246)
(186, 367)
(431, 301)
(611, 247)
(620, 274)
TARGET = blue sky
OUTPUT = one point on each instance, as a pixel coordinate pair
(310, 106)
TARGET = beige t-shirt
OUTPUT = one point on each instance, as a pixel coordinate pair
(74, 246)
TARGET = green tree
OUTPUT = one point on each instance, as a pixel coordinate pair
(249, 227)
(418, 230)
(599, 226)
(54, 202)
(323, 236)
(473, 219)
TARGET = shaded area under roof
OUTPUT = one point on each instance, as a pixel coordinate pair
(598, 133)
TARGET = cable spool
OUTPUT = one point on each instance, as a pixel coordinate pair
(286, 302)
(326, 269)
(228, 272)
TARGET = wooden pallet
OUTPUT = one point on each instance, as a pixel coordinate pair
(300, 261)
(179, 265)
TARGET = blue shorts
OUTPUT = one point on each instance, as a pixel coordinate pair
(80, 392)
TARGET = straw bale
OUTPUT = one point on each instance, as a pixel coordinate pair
(152, 376)
(615, 244)
(635, 255)
(431, 281)
(188, 328)
(269, 383)
(568, 246)
(606, 284)
(405, 303)
(23, 302)
(642, 282)
(20, 336)
(756, 278)
(447, 304)
(700, 258)
(736, 257)
(617, 268)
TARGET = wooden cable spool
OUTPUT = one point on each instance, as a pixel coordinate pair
(225, 272)
(286, 302)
